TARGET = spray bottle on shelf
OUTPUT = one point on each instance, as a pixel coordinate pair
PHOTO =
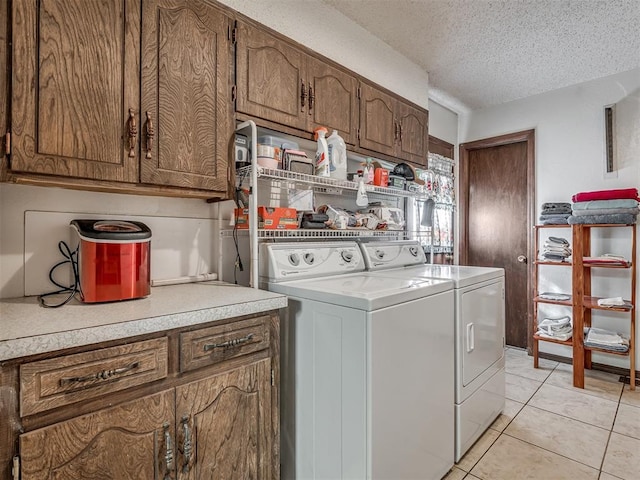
(322, 153)
(337, 156)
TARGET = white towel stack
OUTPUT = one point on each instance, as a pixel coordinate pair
(607, 340)
(556, 249)
(556, 328)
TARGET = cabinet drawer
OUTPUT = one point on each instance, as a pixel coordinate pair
(207, 346)
(60, 381)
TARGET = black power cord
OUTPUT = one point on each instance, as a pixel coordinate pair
(72, 258)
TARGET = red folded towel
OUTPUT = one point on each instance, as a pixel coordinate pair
(623, 193)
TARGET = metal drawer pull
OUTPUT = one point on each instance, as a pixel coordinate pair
(132, 133)
(168, 452)
(186, 444)
(150, 132)
(101, 375)
(228, 343)
(303, 95)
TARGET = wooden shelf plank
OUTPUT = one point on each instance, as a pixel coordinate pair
(566, 303)
(568, 343)
(560, 264)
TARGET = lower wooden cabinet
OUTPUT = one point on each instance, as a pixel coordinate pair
(217, 420)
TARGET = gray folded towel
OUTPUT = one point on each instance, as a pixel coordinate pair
(554, 219)
(617, 218)
(598, 204)
(607, 211)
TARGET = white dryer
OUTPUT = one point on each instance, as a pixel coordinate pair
(366, 393)
(479, 332)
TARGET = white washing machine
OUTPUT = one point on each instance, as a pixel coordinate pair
(479, 332)
(366, 392)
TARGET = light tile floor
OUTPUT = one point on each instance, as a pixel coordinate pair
(550, 430)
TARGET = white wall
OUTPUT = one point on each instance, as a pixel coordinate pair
(569, 125)
(443, 123)
(328, 32)
(34, 219)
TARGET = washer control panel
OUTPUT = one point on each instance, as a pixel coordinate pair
(287, 261)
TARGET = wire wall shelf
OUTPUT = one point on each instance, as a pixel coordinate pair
(327, 183)
(326, 233)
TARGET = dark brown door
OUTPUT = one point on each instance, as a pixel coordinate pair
(497, 200)
(74, 81)
(186, 95)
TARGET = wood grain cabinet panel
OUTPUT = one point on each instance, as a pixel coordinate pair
(334, 100)
(414, 135)
(75, 75)
(270, 78)
(224, 421)
(126, 442)
(378, 124)
(186, 94)
(391, 126)
(207, 346)
(65, 380)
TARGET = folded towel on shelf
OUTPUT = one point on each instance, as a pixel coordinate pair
(553, 208)
(555, 249)
(598, 204)
(607, 211)
(613, 302)
(606, 339)
(560, 297)
(558, 240)
(607, 259)
(617, 218)
(559, 328)
(555, 219)
(624, 193)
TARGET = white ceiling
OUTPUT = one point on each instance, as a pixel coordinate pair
(480, 53)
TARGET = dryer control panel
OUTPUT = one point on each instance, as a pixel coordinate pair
(287, 261)
(397, 254)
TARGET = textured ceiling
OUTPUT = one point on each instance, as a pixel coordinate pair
(480, 53)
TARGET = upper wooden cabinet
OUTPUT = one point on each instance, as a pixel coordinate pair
(393, 127)
(278, 82)
(101, 92)
(186, 94)
(75, 78)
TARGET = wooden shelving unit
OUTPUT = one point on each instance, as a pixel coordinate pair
(536, 298)
(582, 301)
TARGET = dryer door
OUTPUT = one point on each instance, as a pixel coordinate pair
(480, 322)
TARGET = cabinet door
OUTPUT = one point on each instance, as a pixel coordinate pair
(129, 441)
(186, 95)
(378, 129)
(270, 78)
(333, 100)
(224, 423)
(414, 136)
(75, 76)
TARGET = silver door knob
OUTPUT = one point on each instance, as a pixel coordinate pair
(522, 259)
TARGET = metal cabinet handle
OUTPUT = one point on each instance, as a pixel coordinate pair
(168, 451)
(101, 375)
(150, 134)
(395, 131)
(471, 343)
(228, 343)
(399, 132)
(303, 95)
(132, 129)
(312, 97)
(187, 447)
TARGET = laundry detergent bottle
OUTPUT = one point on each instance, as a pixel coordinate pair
(337, 156)
(322, 153)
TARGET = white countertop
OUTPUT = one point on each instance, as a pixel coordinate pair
(26, 328)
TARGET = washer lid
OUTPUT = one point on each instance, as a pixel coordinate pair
(362, 291)
(461, 275)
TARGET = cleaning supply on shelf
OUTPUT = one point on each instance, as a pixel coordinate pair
(322, 153)
(337, 156)
(362, 200)
(368, 171)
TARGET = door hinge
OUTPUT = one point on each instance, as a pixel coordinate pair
(273, 379)
(234, 93)
(15, 468)
(7, 143)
